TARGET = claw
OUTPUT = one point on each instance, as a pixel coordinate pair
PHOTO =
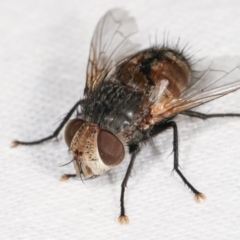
(123, 220)
(64, 177)
(199, 196)
(14, 144)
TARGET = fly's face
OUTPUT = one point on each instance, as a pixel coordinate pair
(94, 150)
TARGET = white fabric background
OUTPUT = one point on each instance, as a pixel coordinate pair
(43, 54)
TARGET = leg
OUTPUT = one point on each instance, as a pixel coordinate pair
(65, 177)
(123, 219)
(159, 128)
(55, 133)
(205, 116)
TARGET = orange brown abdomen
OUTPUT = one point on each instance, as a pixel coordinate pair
(145, 69)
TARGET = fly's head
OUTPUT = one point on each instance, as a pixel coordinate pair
(94, 150)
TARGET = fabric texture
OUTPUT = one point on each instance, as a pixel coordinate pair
(43, 55)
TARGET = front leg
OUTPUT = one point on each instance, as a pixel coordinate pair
(123, 219)
(65, 177)
(55, 133)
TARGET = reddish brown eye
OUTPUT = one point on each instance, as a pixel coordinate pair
(110, 148)
(71, 129)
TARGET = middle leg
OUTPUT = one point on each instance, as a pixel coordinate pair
(206, 116)
(171, 124)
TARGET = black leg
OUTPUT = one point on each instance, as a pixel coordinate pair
(55, 133)
(65, 177)
(123, 219)
(160, 128)
(205, 116)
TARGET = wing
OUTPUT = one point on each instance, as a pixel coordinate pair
(110, 44)
(211, 79)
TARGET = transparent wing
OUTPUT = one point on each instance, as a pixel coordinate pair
(110, 44)
(212, 79)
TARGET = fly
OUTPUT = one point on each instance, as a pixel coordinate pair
(132, 96)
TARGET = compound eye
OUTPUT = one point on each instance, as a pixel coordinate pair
(71, 129)
(110, 148)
